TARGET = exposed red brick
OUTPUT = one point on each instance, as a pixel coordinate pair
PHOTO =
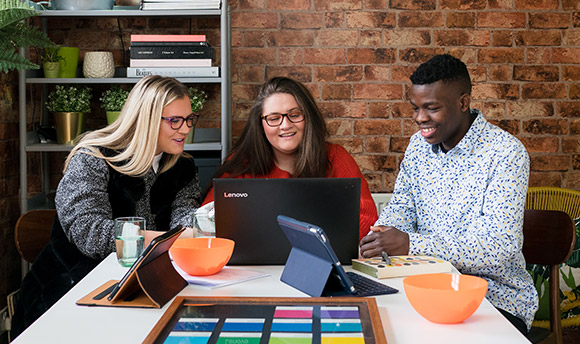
(571, 180)
(251, 73)
(376, 144)
(376, 4)
(569, 109)
(501, 55)
(460, 20)
(571, 37)
(539, 55)
(571, 5)
(369, 38)
(501, 20)
(549, 20)
(354, 145)
(291, 38)
(536, 4)
(574, 91)
(337, 4)
(402, 110)
(370, 19)
(530, 109)
(499, 73)
(540, 144)
(337, 127)
(253, 56)
(244, 91)
(576, 19)
(566, 55)
(385, 163)
(407, 37)
(256, 20)
(413, 4)
(571, 145)
(546, 126)
(550, 163)
(502, 38)
(378, 110)
(467, 55)
(462, 4)
(420, 19)
(291, 56)
(253, 39)
(378, 91)
(302, 74)
(336, 91)
(494, 110)
(576, 162)
(377, 127)
(536, 73)
(370, 56)
(377, 73)
(288, 4)
(324, 56)
(338, 73)
(511, 126)
(575, 127)
(342, 38)
(343, 109)
(301, 20)
(462, 37)
(250, 4)
(418, 55)
(495, 91)
(401, 73)
(398, 144)
(538, 37)
(409, 127)
(543, 90)
(545, 179)
(334, 19)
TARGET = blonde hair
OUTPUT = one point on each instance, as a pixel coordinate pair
(133, 136)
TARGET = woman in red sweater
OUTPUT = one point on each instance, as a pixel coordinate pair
(285, 137)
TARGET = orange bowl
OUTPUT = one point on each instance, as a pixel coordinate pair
(445, 298)
(201, 256)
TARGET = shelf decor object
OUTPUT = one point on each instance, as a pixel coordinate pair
(98, 64)
(75, 5)
(198, 98)
(69, 106)
(69, 62)
(112, 100)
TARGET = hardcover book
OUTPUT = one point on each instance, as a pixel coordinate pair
(401, 266)
(170, 52)
(167, 38)
(170, 63)
(174, 72)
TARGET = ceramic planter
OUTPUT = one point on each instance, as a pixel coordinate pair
(51, 69)
(112, 116)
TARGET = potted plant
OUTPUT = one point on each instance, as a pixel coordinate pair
(198, 98)
(69, 105)
(112, 100)
(50, 62)
(16, 32)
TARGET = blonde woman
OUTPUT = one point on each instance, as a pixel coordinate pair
(133, 167)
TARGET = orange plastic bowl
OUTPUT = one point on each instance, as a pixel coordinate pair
(202, 256)
(445, 298)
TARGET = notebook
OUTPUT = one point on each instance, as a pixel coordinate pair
(246, 211)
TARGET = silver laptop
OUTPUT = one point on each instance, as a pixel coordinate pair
(246, 211)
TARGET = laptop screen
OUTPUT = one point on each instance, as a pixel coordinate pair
(246, 211)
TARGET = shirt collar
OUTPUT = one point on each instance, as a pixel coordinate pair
(468, 141)
(156, 161)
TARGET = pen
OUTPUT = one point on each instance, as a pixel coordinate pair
(386, 257)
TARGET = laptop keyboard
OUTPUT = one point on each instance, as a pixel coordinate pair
(368, 287)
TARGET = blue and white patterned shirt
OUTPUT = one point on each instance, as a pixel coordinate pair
(467, 206)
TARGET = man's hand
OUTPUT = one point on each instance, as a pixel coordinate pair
(384, 238)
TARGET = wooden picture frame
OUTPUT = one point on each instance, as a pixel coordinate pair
(224, 311)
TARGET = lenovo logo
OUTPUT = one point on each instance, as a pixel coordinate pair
(235, 195)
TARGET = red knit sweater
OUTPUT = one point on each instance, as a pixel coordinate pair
(343, 166)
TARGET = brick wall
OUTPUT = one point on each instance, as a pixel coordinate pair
(356, 57)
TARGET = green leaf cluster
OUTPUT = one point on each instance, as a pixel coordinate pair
(114, 98)
(69, 99)
(15, 32)
(198, 98)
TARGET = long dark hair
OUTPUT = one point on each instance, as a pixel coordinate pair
(253, 153)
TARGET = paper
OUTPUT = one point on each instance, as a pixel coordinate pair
(227, 276)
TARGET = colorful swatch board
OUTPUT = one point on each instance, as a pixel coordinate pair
(401, 266)
(271, 324)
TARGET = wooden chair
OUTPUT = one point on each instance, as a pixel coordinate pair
(32, 232)
(553, 198)
(549, 237)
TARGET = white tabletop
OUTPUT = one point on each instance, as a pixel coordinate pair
(66, 322)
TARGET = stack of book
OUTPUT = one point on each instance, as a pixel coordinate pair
(170, 55)
(180, 4)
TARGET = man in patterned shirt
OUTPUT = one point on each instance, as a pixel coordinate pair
(460, 192)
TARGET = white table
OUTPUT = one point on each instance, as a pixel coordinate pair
(66, 322)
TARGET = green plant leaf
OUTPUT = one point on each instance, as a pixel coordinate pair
(10, 60)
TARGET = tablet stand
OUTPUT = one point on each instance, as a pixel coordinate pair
(311, 274)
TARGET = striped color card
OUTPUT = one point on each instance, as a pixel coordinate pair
(340, 325)
(239, 338)
(342, 338)
(290, 338)
(187, 338)
(291, 325)
(243, 325)
(293, 312)
(196, 324)
(334, 312)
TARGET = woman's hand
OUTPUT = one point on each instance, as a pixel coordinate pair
(384, 238)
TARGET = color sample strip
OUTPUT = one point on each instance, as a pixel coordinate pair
(196, 324)
(290, 338)
(239, 338)
(340, 325)
(243, 325)
(342, 338)
(293, 312)
(291, 325)
(339, 312)
(187, 338)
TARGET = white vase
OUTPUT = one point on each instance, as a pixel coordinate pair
(99, 64)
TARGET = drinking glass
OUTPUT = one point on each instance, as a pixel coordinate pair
(129, 239)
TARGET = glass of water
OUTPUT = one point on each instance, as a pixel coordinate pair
(129, 239)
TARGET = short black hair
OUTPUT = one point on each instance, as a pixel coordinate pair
(445, 68)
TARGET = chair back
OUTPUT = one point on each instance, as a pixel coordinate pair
(554, 198)
(549, 237)
(32, 232)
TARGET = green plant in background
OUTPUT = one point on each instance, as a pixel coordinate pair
(69, 99)
(198, 98)
(51, 55)
(16, 32)
(114, 98)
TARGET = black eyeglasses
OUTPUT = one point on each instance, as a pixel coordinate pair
(275, 119)
(176, 122)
